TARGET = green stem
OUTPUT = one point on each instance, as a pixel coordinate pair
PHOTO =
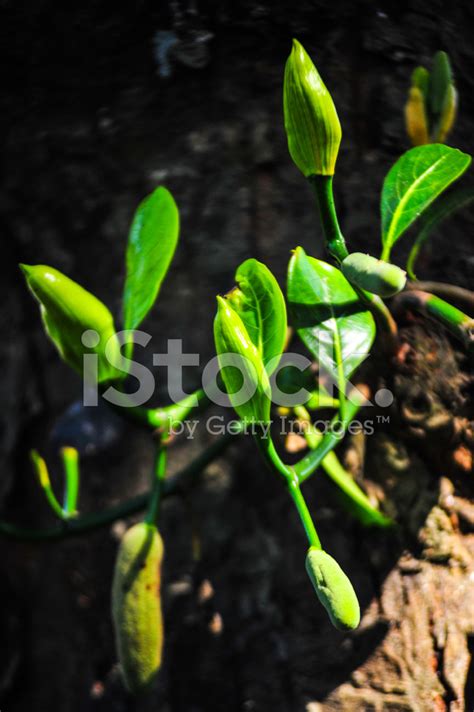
(360, 503)
(335, 242)
(177, 484)
(303, 511)
(273, 460)
(160, 418)
(457, 322)
(70, 458)
(267, 448)
(42, 475)
(310, 463)
(159, 475)
(383, 317)
(336, 246)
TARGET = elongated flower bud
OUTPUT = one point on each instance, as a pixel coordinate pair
(373, 275)
(242, 368)
(448, 114)
(415, 118)
(311, 122)
(333, 589)
(136, 606)
(68, 310)
(440, 80)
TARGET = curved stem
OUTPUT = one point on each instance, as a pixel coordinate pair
(303, 511)
(267, 448)
(457, 322)
(70, 458)
(174, 485)
(336, 246)
(160, 418)
(275, 463)
(335, 242)
(310, 463)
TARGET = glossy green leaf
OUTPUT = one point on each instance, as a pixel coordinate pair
(261, 306)
(151, 244)
(413, 183)
(434, 216)
(332, 322)
(246, 377)
(68, 311)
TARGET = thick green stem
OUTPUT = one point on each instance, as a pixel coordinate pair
(70, 458)
(457, 322)
(335, 243)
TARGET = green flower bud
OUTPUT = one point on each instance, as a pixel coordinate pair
(440, 81)
(136, 606)
(448, 114)
(248, 375)
(311, 122)
(68, 311)
(333, 589)
(373, 275)
(420, 79)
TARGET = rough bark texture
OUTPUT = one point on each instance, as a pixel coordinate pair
(91, 122)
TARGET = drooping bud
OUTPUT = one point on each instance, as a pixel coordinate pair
(311, 122)
(68, 311)
(333, 589)
(136, 606)
(373, 275)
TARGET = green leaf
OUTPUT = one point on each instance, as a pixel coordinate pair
(261, 306)
(151, 244)
(245, 377)
(332, 322)
(413, 183)
(434, 216)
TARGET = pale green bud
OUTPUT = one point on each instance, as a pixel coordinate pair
(333, 589)
(373, 275)
(311, 122)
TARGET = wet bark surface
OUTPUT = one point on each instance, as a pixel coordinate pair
(97, 109)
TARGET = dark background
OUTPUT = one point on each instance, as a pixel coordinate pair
(91, 121)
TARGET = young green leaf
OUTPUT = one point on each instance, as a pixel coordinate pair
(413, 183)
(151, 244)
(261, 306)
(332, 322)
(244, 376)
(68, 311)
